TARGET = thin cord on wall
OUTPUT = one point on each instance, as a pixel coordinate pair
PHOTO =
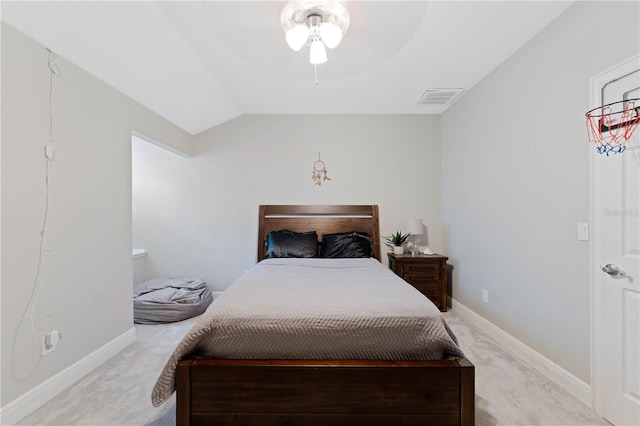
(37, 282)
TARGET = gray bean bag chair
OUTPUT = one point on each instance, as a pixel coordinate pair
(163, 300)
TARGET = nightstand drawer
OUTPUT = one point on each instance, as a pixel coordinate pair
(427, 290)
(426, 273)
(416, 278)
(430, 291)
(425, 286)
(423, 269)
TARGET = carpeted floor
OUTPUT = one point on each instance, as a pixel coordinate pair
(508, 391)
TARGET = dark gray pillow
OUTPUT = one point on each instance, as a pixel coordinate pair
(287, 243)
(346, 244)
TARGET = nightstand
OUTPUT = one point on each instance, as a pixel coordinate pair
(426, 272)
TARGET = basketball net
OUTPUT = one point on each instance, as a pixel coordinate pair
(610, 126)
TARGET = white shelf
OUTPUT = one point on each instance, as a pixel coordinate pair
(139, 252)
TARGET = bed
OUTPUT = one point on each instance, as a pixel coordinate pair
(297, 381)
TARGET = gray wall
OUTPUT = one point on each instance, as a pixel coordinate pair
(85, 278)
(208, 209)
(515, 182)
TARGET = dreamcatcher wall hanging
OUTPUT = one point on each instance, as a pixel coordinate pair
(319, 172)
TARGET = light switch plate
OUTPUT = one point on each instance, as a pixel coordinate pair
(583, 232)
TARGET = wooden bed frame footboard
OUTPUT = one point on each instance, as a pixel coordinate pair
(312, 392)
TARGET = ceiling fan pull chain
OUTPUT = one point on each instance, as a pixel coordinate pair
(315, 73)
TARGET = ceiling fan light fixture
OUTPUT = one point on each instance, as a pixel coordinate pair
(297, 37)
(331, 34)
(318, 23)
(317, 53)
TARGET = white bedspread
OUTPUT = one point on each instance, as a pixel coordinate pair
(315, 309)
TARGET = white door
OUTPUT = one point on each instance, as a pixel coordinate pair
(616, 248)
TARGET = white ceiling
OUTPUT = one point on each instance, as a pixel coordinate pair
(201, 63)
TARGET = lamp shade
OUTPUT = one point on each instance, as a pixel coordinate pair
(331, 34)
(317, 54)
(413, 226)
(297, 37)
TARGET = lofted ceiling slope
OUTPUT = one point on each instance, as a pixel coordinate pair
(201, 63)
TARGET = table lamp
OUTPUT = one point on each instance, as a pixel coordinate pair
(414, 227)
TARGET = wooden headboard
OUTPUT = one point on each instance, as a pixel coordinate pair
(322, 219)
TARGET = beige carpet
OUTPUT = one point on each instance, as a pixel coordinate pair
(508, 391)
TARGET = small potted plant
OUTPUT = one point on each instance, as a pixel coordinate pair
(397, 241)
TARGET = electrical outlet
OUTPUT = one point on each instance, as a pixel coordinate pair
(485, 296)
(50, 340)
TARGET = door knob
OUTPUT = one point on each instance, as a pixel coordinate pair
(613, 270)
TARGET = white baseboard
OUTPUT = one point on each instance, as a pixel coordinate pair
(27, 403)
(555, 373)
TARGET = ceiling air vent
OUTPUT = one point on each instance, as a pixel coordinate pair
(439, 96)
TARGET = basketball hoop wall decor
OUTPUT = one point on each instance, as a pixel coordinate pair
(610, 126)
(319, 172)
